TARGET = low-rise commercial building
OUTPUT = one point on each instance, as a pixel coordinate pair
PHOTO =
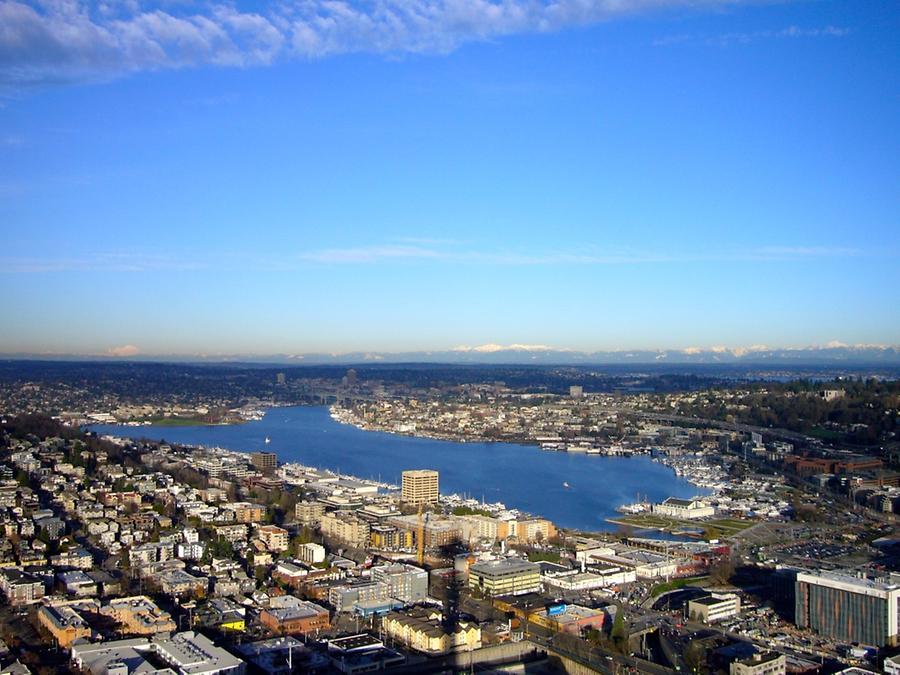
(714, 607)
(138, 615)
(573, 619)
(771, 663)
(186, 653)
(292, 616)
(507, 576)
(63, 623)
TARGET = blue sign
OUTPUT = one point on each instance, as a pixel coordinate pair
(556, 610)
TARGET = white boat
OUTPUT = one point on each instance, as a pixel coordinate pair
(268, 440)
(565, 484)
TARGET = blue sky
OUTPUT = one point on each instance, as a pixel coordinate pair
(203, 177)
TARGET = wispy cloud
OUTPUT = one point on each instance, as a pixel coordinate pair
(807, 251)
(370, 254)
(11, 140)
(744, 38)
(53, 41)
(438, 252)
(452, 254)
(115, 261)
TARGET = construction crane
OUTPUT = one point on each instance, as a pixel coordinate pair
(420, 539)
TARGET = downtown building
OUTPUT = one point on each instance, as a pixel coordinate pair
(847, 608)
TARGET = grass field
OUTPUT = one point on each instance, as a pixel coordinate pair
(718, 528)
(675, 584)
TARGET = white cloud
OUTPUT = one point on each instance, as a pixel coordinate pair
(51, 41)
(123, 351)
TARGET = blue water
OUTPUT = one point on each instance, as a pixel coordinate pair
(521, 476)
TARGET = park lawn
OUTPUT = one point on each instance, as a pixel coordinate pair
(675, 584)
(717, 528)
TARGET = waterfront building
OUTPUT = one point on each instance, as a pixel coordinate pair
(576, 391)
(507, 576)
(684, 509)
(532, 529)
(265, 462)
(848, 608)
(419, 486)
(714, 607)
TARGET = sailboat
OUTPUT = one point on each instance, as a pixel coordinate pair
(268, 440)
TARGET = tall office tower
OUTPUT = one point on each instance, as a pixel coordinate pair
(419, 486)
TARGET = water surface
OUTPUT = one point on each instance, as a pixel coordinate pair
(521, 476)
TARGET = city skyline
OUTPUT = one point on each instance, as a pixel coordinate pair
(241, 179)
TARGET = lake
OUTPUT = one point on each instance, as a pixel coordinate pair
(521, 476)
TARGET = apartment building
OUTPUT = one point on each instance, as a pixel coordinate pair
(309, 513)
(347, 528)
(275, 538)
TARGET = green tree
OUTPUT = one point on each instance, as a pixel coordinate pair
(618, 633)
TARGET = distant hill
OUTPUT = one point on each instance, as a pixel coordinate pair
(833, 354)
